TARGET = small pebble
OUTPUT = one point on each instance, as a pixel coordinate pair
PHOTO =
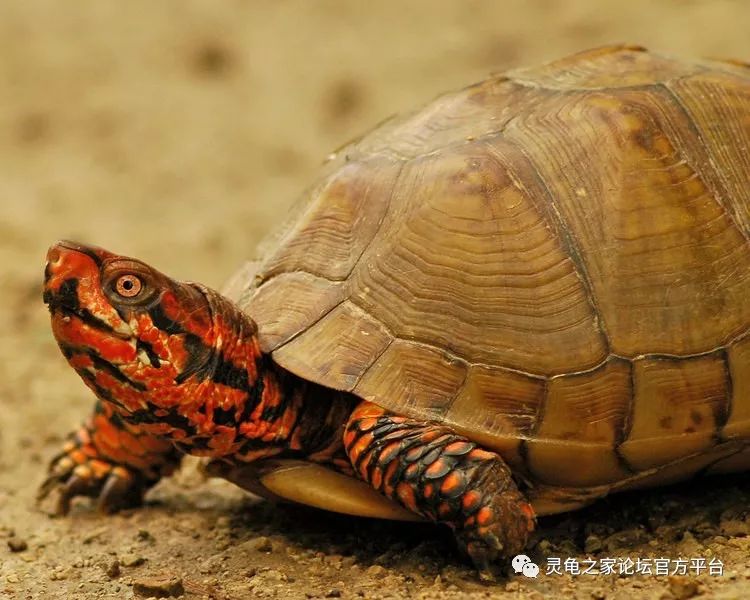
(132, 560)
(60, 573)
(159, 588)
(683, 587)
(113, 569)
(144, 535)
(261, 544)
(375, 571)
(17, 544)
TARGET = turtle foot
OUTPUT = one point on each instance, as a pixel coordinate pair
(74, 473)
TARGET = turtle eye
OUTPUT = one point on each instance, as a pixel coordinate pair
(128, 286)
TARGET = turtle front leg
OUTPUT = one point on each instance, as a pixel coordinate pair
(109, 460)
(433, 471)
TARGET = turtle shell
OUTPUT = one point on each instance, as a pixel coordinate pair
(554, 261)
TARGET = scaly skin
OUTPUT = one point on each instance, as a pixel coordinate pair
(111, 460)
(178, 369)
(431, 470)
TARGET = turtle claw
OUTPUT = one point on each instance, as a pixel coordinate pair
(119, 491)
(484, 555)
(114, 487)
(75, 486)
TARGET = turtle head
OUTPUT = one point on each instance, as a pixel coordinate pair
(149, 344)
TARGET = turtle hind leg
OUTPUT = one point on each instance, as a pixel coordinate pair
(439, 474)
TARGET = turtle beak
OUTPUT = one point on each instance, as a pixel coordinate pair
(67, 263)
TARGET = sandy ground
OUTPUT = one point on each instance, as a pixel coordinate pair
(178, 132)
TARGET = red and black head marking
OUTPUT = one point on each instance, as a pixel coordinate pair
(173, 357)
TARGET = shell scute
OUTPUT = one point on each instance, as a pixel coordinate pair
(554, 262)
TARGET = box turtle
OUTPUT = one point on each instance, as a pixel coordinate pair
(524, 296)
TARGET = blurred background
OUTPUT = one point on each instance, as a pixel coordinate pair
(181, 128)
(179, 131)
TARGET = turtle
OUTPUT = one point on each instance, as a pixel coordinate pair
(511, 302)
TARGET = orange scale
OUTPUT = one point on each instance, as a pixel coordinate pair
(115, 350)
(147, 331)
(269, 437)
(89, 451)
(154, 445)
(430, 435)
(160, 429)
(287, 422)
(295, 442)
(175, 349)
(227, 398)
(178, 434)
(363, 466)
(411, 471)
(395, 435)
(106, 436)
(377, 478)
(222, 441)
(388, 477)
(367, 423)
(362, 444)
(100, 468)
(248, 429)
(131, 445)
(405, 493)
(123, 393)
(479, 454)
(389, 452)
(452, 483)
(454, 447)
(471, 500)
(270, 396)
(435, 468)
(530, 515)
(80, 361)
(484, 516)
(73, 332)
(368, 409)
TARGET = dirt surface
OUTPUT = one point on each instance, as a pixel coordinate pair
(178, 132)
